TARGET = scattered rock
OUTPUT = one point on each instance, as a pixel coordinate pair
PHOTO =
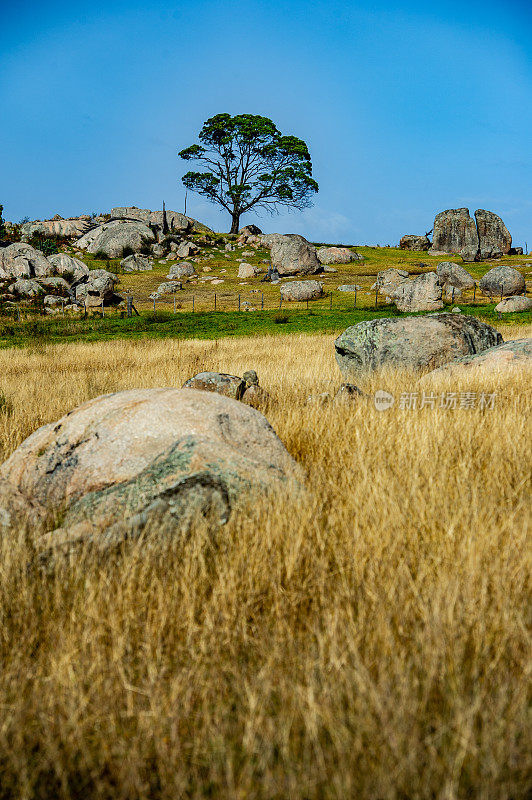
(293, 255)
(335, 255)
(349, 287)
(450, 293)
(136, 263)
(301, 290)
(246, 270)
(187, 249)
(142, 462)
(424, 293)
(416, 243)
(516, 303)
(454, 275)
(250, 230)
(166, 288)
(329, 269)
(219, 382)
(411, 342)
(348, 391)
(184, 270)
(502, 280)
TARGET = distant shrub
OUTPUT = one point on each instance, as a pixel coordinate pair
(281, 319)
(2, 224)
(127, 251)
(101, 256)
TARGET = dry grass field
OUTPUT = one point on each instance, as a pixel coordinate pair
(371, 641)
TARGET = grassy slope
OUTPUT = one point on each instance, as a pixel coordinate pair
(227, 321)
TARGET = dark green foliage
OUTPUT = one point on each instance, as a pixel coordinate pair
(281, 319)
(101, 256)
(249, 163)
(48, 245)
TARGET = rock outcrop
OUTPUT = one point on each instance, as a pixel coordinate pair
(415, 243)
(455, 232)
(69, 268)
(418, 343)
(246, 270)
(143, 462)
(117, 239)
(494, 238)
(71, 228)
(183, 270)
(297, 291)
(502, 281)
(20, 260)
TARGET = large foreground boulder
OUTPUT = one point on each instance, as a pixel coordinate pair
(493, 236)
(456, 275)
(418, 343)
(144, 461)
(505, 281)
(455, 232)
(297, 291)
(21, 260)
(424, 293)
(504, 358)
(291, 254)
(415, 243)
(336, 255)
(117, 239)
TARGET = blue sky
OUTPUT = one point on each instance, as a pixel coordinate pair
(406, 109)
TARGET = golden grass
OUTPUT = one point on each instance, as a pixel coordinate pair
(370, 642)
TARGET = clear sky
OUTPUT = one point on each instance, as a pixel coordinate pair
(408, 108)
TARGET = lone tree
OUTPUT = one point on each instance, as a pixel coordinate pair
(248, 163)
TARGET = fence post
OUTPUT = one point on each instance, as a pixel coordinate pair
(239, 302)
(355, 300)
(174, 302)
(330, 300)
(452, 296)
(281, 301)
(154, 303)
(103, 310)
(63, 307)
(307, 304)
(262, 300)
(501, 290)
(474, 291)
(129, 300)
(215, 301)
(377, 293)
(192, 302)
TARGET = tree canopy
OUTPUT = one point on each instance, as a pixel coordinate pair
(248, 163)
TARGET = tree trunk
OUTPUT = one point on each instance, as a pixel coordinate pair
(235, 225)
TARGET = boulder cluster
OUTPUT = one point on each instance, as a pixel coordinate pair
(59, 280)
(455, 231)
